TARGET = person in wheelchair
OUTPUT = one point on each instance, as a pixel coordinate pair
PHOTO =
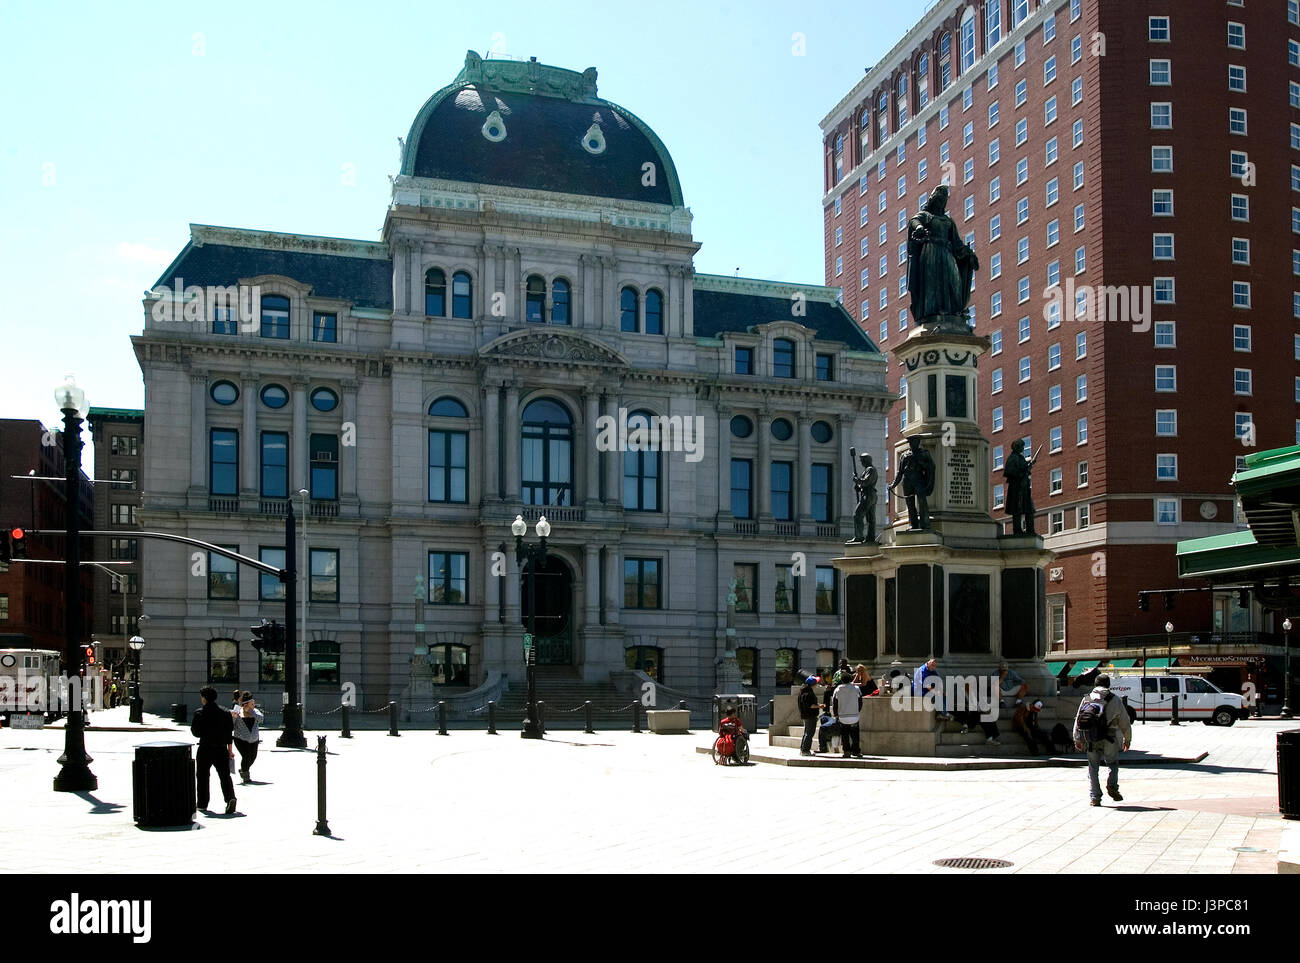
(730, 725)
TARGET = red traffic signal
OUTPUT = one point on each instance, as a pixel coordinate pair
(90, 655)
(17, 543)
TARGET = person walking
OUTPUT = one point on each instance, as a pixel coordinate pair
(248, 720)
(214, 728)
(809, 709)
(1102, 729)
(847, 706)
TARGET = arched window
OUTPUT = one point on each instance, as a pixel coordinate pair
(559, 301)
(785, 662)
(629, 309)
(448, 407)
(547, 463)
(783, 358)
(992, 23)
(275, 316)
(641, 463)
(448, 455)
(945, 62)
(902, 100)
(323, 663)
(923, 81)
(882, 118)
(435, 293)
(654, 312)
(223, 660)
(967, 40)
(462, 295)
(534, 299)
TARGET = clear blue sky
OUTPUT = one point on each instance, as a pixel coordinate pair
(122, 124)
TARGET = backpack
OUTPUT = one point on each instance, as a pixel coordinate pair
(1092, 720)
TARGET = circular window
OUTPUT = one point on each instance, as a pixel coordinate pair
(782, 430)
(8, 661)
(322, 399)
(274, 396)
(741, 426)
(225, 393)
(821, 432)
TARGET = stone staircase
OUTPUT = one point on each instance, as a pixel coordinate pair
(562, 689)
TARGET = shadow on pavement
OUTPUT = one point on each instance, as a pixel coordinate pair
(1144, 809)
(100, 807)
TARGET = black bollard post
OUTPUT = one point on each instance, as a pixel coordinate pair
(587, 706)
(492, 719)
(681, 704)
(392, 719)
(1173, 713)
(346, 712)
(541, 717)
(442, 718)
(322, 827)
(636, 717)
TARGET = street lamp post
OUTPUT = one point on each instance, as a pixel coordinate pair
(1169, 638)
(1286, 671)
(305, 566)
(534, 555)
(75, 776)
(137, 704)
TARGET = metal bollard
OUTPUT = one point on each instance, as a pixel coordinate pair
(636, 717)
(681, 704)
(492, 719)
(346, 712)
(541, 717)
(587, 707)
(322, 827)
(392, 719)
(442, 718)
(1173, 713)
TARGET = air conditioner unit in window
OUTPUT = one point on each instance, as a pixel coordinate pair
(323, 456)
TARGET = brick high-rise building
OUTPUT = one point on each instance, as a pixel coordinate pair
(1093, 146)
(119, 438)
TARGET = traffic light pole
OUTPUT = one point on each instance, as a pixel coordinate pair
(291, 736)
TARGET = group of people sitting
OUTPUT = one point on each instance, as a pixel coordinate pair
(841, 711)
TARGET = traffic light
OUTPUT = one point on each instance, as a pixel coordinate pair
(1169, 601)
(17, 543)
(90, 655)
(268, 636)
(1144, 602)
(1243, 598)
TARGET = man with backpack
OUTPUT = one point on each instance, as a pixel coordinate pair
(1098, 727)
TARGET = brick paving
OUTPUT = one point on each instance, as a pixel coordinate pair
(623, 802)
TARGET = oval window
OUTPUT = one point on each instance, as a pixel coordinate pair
(8, 661)
(225, 393)
(782, 430)
(322, 399)
(822, 432)
(274, 396)
(741, 426)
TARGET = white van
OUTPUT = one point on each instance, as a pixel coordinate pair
(1197, 698)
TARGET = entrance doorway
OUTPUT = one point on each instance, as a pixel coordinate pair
(554, 624)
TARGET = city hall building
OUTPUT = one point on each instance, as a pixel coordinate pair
(528, 325)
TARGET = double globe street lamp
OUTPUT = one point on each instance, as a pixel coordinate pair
(534, 556)
(136, 643)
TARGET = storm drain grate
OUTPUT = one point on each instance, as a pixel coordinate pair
(973, 862)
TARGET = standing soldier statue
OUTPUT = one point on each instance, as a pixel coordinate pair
(864, 487)
(1020, 502)
(916, 472)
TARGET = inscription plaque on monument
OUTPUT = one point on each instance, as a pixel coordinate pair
(961, 478)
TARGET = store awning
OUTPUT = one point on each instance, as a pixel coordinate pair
(1056, 667)
(1161, 663)
(1122, 663)
(1084, 666)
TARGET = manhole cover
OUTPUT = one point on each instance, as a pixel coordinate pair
(1248, 849)
(973, 862)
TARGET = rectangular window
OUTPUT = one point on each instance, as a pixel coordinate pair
(1050, 152)
(1236, 79)
(1022, 89)
(1243, 425)
(744, 361)
(1080, 259)
(1083, 518)
(324, 575)
(1026, 410)
(1166, 467)
(1083, 475)
(1159, 73)
(782, 478)
(1053, 357)
(324, 327)
(1049, 111)
(1020, 53)
(275, 464)
(839, 266)
(1241, 294)
(1241, 337)
(1241, 381)
(1166, 377)
(1158, 29)
(1236, 35)
(1166, 422)
(1237, 115)
(995, 304)
(997, 418)
(1080, 389)
(993, 114)
(1076, 92)
(1162, 160)
(827, 596)
(999, 496)
(786, 590)
(1022, 131)
(1054, 398)
(822, 500)
(223, 576)
(324, 467)
(1162, 247)
(1240, 207)
(448, 466)
(1053, 231)
(1080, 345)
(1162, 203)
(448, 578)
(995, 227)
(1022, 331)
(995, 338)
(1162, 116)
(746, 578)
(1022, 245)
(1022, 171)
(742, 488)
(995, 380)
(1022, 290)
(1049, 70)
(223, 471)
(1024, 369)
(1166, 511)
(270, 588)
(1081, 431)
(123, 514)
(1165, 334)
(1056, 480)
(641, 584)
(1078, 218)
(1056, 520)
(275, 316)
(995, 151)
(1053, 191)
(1054, 440)
(968, 208)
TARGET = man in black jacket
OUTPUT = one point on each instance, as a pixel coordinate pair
(215, 730)
(809, 709)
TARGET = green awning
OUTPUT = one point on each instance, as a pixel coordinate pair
(1056, 667)
(1157, 663)
(1082, 667)
(1232, 554)
(1122, 663)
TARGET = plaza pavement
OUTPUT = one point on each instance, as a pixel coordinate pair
(631, 803)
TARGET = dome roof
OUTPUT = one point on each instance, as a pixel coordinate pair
(527, 125)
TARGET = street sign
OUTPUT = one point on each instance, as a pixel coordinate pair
(27, 721)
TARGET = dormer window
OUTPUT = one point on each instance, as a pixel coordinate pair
(783, 358)
(275, 316)
(494, 128)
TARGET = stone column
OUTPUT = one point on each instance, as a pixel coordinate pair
(609, 289)
(804, 494)
(762, 471)
(518, 282)
(843, 428)
(250, 446)
(613, 459)
(591, 400)
(724, 464)
(414, 281)
(348, 453)
(688, 303)
(491, 585)
(199, 430)
(512, 442)
(591, 581)
(613, 585)
(491, 441)
(299, 443)
(514, 631)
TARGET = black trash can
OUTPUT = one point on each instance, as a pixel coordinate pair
(179, 713)
(746, 708)
(163, 789)
(1288, 773)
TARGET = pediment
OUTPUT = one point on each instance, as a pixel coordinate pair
(551, 345)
